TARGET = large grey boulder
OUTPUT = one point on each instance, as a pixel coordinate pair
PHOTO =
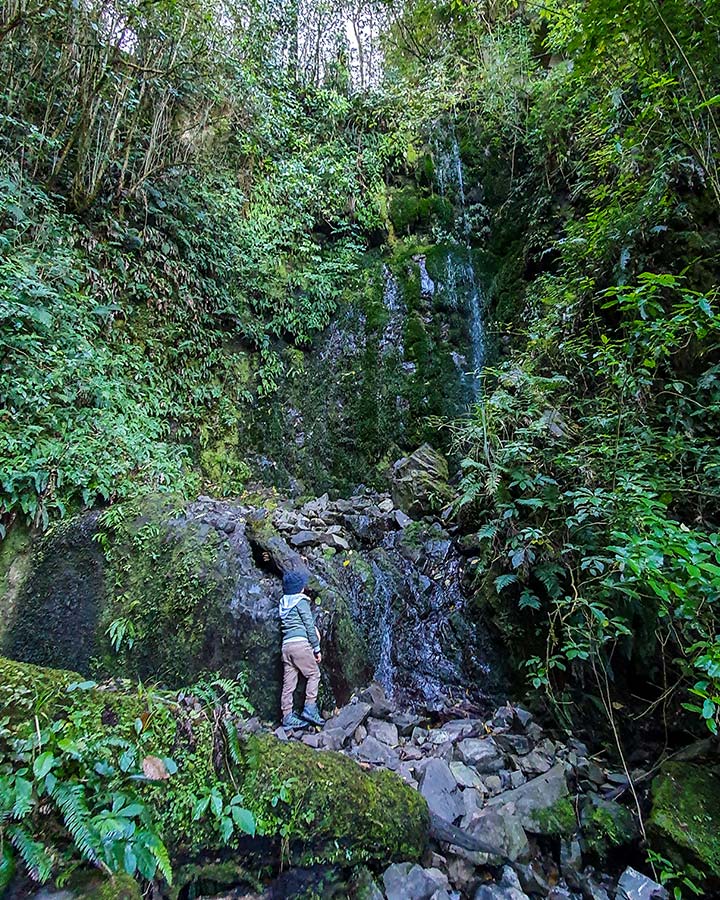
(440, 790)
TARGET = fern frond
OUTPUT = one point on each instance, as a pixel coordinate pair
(7, 865)
(232, 741)
(70, 799)
(34, 854)
(160, 855)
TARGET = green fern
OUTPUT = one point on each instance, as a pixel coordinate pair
(232, 741)
(7, 864)
(34, 854)
(160, 854)
(70, 799)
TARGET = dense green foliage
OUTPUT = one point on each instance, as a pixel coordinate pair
(187, 192)
(86, 776)
(592, 459)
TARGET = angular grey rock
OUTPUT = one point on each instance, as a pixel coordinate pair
(535, 763)
(464, 775)
(633, 885)
(385, 732)
(473, 804)
(493, 784)
(482, 753)
(440, 790)
(332, 738)
(402, 519)
(514, 743)
(508, 888)
(535, 796)
(571, 860)
(305, 539)
(372, 751)
(336, 541)
(500, 828)
(405, 722)
(405, 881)
(348, 719)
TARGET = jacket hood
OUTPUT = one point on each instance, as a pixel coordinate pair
(288, 602)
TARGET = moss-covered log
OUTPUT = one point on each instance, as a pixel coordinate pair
(322, 807)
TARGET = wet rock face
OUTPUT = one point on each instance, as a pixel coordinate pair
(196, 586)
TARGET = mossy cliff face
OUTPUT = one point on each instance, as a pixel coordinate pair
(15, 558)
(330, 810)
(361, 395)
(685, 820)
(53, 619)
(163, 590)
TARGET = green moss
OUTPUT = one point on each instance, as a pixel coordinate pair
(92, 886)
(212, 877)
(55, 613)
(685, 820)
(560, 818)
(607, 824)
(322, 805)
(15, 560)
(171, 583)
(333, 805)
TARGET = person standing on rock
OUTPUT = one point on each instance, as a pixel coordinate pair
(300, 652)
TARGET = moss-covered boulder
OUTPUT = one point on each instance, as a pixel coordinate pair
(420, 482)
(58, 598)
(685, 820)
(314, 806)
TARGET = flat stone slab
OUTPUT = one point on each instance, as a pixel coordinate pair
(348, 719)
(440, 790)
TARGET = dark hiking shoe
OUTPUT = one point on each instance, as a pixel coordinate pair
(293, 721)
(312, 715)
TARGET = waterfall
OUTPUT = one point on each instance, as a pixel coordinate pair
(392, 339)
(450, 179)
(382, 600)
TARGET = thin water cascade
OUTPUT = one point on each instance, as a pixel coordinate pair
(451, 183)
(394, 303)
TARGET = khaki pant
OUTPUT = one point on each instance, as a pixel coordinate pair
(298, 658)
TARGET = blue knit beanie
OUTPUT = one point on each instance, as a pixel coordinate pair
(294, 582)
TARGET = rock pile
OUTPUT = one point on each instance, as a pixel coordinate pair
(514, 813)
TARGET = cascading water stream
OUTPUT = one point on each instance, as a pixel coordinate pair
(451, 181)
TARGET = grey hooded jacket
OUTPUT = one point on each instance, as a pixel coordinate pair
(296, 620)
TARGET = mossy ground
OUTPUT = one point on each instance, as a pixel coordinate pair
(319, 807)
(685, 819)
